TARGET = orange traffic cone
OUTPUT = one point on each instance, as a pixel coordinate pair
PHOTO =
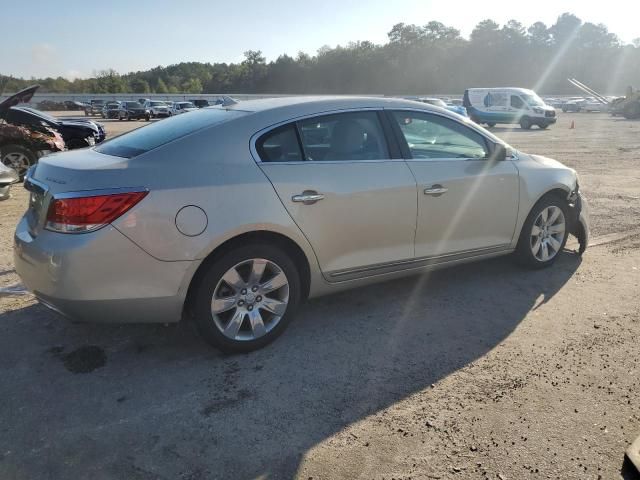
(573, 125)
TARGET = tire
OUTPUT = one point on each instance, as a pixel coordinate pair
(632, 110)
(565, 109)
(17, 157)
(526, 251)
(147, 118)
(211, 284)
(491, 125)
(543, 126)
(525, 123)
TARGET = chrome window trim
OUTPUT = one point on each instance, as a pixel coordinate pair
(254, 138)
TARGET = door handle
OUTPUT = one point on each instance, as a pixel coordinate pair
(308, 197)
(435, 190)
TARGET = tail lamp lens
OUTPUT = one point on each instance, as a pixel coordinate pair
(86, 214)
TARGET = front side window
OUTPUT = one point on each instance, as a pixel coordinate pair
(432, 137)
(516, 102)
(343, 136)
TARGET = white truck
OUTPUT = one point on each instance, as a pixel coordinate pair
(508, 105)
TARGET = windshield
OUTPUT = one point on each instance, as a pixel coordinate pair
(153, 136)
(133, 105)
(158, 104)
(532, 100)
(187, 105)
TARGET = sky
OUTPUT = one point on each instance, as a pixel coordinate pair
(73, 38)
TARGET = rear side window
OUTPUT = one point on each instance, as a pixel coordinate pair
(157, 134)
(280, 145)
(343, 136)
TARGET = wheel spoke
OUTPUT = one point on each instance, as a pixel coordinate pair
(554, 215)
(555, 244)
(536, 246)
(535, 231)
(545, 252)
(257, 325)
(233, 279)
(232, 328)
(277, 307)
(544, 215)
(219, 305)
(279, 281)
(257, 270)
(558, 228)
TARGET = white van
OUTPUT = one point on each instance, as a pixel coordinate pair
(508, 105)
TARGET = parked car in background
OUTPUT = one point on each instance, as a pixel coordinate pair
(182, 107)
(438, 102)
(94, 107)
(8, 176)
(508, 105)
(50, 105)
(157, 109)
(133, 111)
(111, 110)
(282, 212)
(200, 103)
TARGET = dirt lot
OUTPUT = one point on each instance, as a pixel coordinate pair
(481, 371)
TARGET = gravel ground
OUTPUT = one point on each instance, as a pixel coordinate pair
(481, 371)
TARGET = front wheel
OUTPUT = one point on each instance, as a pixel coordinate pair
(18, 157)
(544, 233)
(246, 298)
(543, 126)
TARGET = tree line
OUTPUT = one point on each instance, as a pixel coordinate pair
(416, 59)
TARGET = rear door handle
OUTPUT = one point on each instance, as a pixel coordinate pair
(435, 190)
(308, 197)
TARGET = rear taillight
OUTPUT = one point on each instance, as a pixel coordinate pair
(79, 214)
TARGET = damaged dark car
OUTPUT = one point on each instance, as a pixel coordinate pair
(21, 146)
(77, 133)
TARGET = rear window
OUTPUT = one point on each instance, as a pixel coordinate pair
(149, 137)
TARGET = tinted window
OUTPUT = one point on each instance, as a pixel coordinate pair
(516, 102)
(280, 145)
(434, 137)
(343, 136)
(147, 138)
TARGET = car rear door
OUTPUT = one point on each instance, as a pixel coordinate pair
(467, 204)
(338, 180)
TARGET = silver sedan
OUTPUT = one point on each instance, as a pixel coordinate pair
(233, 215)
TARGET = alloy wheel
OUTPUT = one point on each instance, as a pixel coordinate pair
(547, 233)
(250, 299)
(18, 161)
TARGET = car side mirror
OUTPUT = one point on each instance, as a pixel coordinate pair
(499, 153)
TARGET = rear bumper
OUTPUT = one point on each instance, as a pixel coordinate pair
(100, 276)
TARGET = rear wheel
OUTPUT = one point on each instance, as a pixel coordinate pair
(525, 123)
(544, 233)
(632, 110)
(543, 126)
(18, 157)
(491, 125)
(246, 298)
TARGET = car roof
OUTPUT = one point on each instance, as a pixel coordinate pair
(309, 105)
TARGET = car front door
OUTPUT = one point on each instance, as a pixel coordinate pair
(467, 203)
(337, 179)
